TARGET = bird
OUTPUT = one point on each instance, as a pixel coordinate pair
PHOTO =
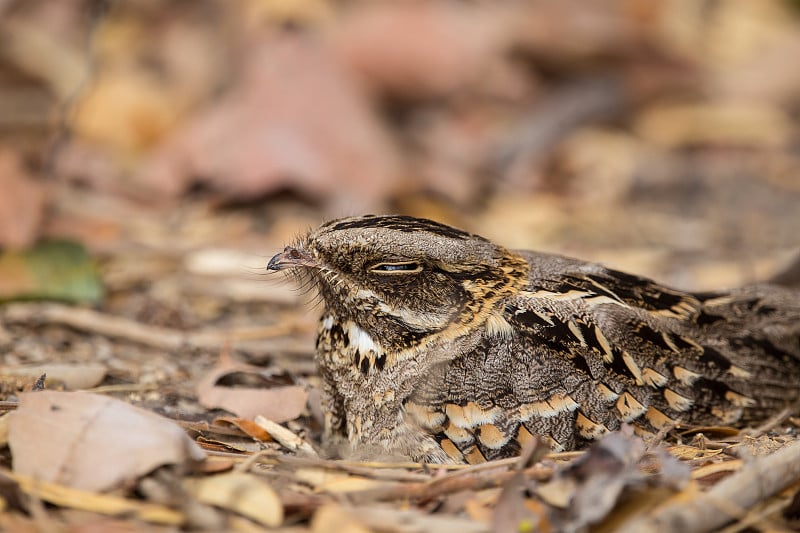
(437, 345)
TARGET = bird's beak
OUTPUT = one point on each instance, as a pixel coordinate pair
(291, 257)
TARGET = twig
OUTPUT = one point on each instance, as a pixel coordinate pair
(770, 423)
(119, 327)
(272, 457)
(446, 485)
(728, 500)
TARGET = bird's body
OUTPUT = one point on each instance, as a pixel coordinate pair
(438, 345)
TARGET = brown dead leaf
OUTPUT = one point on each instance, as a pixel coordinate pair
(242, 493)
(294, 119)
(92, 442)
(247, 426)
(74, 376)
(280, 403)
(22, 202)
(587, 490)
(229, 444)
(420, 49)
(512, 514)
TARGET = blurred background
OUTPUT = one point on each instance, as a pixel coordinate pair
(188, 140)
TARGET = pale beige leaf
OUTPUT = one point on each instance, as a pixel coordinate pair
(3, 430)
(334, 518)
(92, 442)
(324, 480)
(74, 376)
(72, 498)
(242, 493)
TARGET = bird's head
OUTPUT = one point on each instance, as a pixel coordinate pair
(402, 277)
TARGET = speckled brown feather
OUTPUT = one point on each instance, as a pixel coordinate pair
(438, 345)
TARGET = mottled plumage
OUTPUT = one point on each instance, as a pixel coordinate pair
(441, 346)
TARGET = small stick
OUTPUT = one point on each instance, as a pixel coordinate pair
(760, 479)
(120, 327)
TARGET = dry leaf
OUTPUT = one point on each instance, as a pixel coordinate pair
(511, 514)
(74, 376)
(324, 480)
(294, 119)
(105, 504)
(60, 270)
(4, 430)
(285, 438)
(92, 442)
(749, 124)
(242, 493)
(334, 518)
(420, 49)
(280, 403)
(249, 427)
(22, 203)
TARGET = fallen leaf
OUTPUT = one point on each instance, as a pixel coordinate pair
(229, 444)
(716, 468)
(587, 490)
(334, 518)
(4, 430)
(284, 437)
(512, 514)
(59, 270)
(279, 403)
(749, 124)
(324, 480)
(242, 493)
(74, 498)
(74, 376)
(92, 442)
(21, 203)
(451, 47)
(247, 426)
(294, 119)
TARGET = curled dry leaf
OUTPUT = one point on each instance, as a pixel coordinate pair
(280, 403)
(247, 426)
(92, 442)
(242, 493)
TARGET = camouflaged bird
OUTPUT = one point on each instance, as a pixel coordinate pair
(438, 345)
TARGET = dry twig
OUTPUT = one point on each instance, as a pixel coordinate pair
(729, 499)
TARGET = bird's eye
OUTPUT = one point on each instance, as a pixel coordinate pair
(409, 267)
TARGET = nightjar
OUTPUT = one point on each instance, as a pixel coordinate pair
(441, 346)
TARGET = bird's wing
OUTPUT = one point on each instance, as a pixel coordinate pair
(587, 348)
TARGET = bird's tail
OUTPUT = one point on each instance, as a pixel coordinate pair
(790, 276)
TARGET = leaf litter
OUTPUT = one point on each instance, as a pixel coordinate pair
(658, 139)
